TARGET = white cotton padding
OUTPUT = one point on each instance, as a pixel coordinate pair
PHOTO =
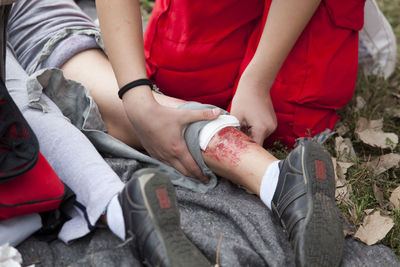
(211, 128)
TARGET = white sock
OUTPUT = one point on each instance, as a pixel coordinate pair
(115, 218)
(269, 183)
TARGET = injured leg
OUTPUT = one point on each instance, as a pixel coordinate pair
(299, 189)
(232, 154)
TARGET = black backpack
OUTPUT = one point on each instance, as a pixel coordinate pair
(19, 149)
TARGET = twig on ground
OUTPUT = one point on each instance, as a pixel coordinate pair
(218, 248)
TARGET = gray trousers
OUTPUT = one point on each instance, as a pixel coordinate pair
(32, 24)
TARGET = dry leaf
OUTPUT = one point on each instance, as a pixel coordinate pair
(360, 103)
(376, 124)
(344, 166)
(347, 232)
(378, 139)
(342, 192)
(384, 163)
(341, 129)
(334, 163)
(393, 112)
(344, 149)
(368, 211)
(364, 124)
(395, 198)
(377, 193)
(396, 95)
(370, 132)
(374, 228)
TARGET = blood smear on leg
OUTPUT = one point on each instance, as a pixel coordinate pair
(227, 145)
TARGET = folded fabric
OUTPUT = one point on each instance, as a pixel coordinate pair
(15, 230)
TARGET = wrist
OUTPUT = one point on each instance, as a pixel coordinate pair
(136, 83)
(252, 85)
(254, 79)
(139, 100)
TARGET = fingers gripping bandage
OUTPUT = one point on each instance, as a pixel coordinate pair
(198, 134)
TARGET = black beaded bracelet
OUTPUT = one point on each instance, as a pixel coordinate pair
(133, 84)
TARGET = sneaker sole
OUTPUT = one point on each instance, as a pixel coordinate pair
(160, 199)
(323, 240)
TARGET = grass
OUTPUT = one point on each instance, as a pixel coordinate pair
(377, 94)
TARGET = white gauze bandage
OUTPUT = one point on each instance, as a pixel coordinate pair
(211, 128)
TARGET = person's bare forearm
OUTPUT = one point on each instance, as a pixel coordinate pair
(121, 28)
(286, 21)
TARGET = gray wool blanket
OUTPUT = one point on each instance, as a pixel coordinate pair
(249, 235)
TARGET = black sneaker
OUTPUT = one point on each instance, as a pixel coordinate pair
(304, 202)
(152, 219)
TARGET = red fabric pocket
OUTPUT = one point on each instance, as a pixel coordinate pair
(38, 190)
(346, 13)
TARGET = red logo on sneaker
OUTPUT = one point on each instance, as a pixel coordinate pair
(162, 196)
(320, 170)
